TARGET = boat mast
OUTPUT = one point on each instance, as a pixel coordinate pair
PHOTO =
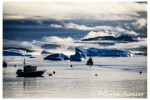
(4, 60)
(24, 62)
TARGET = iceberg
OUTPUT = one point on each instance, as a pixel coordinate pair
(106, 52)
(57, 57)
(141, 53)
(45, 52)
(15, 52)
(78, 56)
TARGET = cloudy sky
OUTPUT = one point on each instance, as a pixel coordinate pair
(34, 22)
(70, 11)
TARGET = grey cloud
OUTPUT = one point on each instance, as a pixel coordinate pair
(22, 44)
(105, 29)
(70, 11)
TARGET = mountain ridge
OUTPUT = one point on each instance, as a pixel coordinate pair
(119, 38)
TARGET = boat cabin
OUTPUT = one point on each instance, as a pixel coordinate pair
(29, 68)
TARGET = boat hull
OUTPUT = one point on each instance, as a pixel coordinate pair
(31, 74)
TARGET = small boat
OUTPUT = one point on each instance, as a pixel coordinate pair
(4, 63)
(29, 71)
(90, 62)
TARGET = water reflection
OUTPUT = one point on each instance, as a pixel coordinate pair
(29, 85)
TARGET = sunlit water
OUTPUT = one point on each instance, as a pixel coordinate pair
(116, 78)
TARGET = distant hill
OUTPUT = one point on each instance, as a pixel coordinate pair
(111, 38)
(50, 46)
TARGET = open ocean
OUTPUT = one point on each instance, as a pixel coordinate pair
(116, 78)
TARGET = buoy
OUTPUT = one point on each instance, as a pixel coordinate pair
(50, 74)
(54, 72)
(140, 72)
(71, 66)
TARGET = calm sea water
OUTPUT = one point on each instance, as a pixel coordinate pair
(116, 78)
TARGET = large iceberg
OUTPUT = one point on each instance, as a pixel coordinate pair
(106, 52)
(15, 52)
(78, 56)
(57, 56)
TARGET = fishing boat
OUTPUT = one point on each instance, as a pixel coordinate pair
(29, 71)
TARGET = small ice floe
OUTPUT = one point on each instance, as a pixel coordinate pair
(32, 57)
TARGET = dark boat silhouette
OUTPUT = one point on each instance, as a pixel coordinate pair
(32, 57)
(4, 63)
(29, 71)
(89, 62)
